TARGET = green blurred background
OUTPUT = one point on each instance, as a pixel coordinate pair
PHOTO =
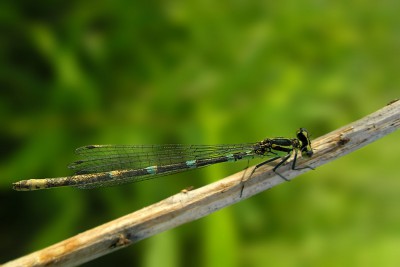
(75, 73)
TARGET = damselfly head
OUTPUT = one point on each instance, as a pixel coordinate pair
(305, 147)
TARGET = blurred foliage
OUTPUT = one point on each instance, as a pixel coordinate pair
(82, 72)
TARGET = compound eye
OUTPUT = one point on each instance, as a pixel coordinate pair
(302, 135)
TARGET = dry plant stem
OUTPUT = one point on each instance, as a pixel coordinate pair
(187, 206)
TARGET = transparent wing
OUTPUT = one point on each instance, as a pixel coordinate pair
(123, 179)
(102, 158)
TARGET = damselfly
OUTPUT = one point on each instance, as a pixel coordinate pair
(108, 165)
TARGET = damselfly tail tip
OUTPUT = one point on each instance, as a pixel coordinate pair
(20, 186)
(28, 185)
